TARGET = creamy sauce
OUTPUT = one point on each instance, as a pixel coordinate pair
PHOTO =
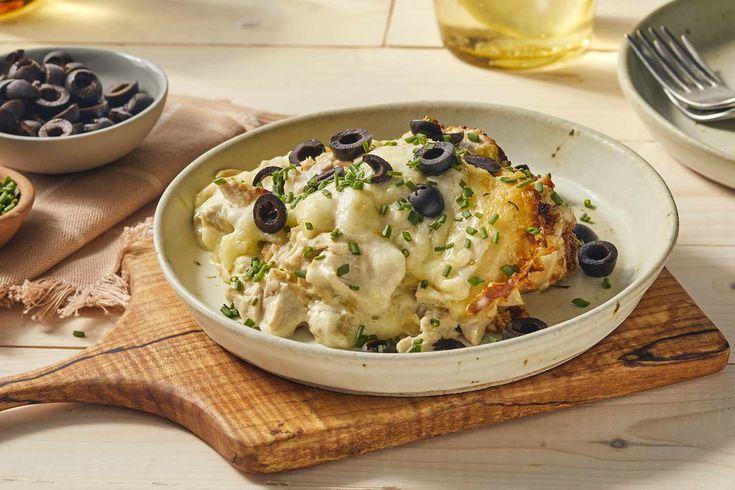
(421, 283)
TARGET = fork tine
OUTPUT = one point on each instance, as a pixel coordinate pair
(681, 66)
(691, 51)
(652, 64)
(655, 55)
(686, 58)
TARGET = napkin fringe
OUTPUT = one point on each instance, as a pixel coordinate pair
(46, 298)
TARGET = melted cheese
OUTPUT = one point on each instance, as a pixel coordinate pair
(382, 289)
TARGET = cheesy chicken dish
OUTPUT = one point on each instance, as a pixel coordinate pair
(423, 242)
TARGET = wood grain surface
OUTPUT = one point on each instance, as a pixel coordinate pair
(158, 360)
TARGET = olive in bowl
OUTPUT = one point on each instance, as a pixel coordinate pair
(74, 109)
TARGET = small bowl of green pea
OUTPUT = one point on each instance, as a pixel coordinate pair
(16, 200)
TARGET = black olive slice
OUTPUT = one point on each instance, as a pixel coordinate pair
(138, 103)
(84, 87)
(89, 114)
(484, 163)
(16, 107)
(436, 159)
(304, 150)
(597, 258)
(27, 69)
(34, 125)
(430, 129)
(523, 326)
(456, 138)
(58, 57)
(584, 233)
(55, 128)
(55, 74)
(263, 173)
(382, 346)
(349, 144)
(118, 115)
(71, 114)
(97, 124)
(21, 89)
(327, 174)
(427, 200)
(523, 168)
(74, 65)
(3, 85)
(12, 58)
(380, 168)
(53, 100)
(121, 92)
(502, 156)
(269, 213)
(22, 128)
(7, 120)
(447, 344)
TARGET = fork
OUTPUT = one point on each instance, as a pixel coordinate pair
(701, 116)
(679, 68)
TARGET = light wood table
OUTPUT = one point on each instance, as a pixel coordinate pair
(296, 56)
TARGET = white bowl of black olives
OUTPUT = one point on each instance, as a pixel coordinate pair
(72, 109)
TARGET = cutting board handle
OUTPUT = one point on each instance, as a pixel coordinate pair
(61, 382)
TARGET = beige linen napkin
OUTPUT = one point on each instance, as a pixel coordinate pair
(66, 255)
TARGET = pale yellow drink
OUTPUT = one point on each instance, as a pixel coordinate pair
(515, 33)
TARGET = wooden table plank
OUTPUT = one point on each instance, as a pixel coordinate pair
(211, 23)
(679, 437)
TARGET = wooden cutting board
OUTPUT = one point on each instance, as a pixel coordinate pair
(156, 359)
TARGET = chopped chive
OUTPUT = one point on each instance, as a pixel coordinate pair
(442, 248)
(399, 182)
(447, 270)
(470, 230)
(287, 229)
(483, 232)
(320, 257)
(508, 270)
(586, 218)
(473, 137)
(406, 236)
(582, 303)
(525, 183)
(533, 230)
(467, 191)
(475, 280)
(366, 146)
(410, 139)
(254, 301)
(387, 231)
(606, 283)
(229, 311)
(588, 204)
(557, 199)
(79, 333)
(390, 143)
(309, 226)
(355, 249)
(219, 180)
(424, 284)
(336, 233)
(539, 187)
(508, 180)
(496, 237)
(462, 183)
(354, 287)
(405, 252)
(383, 209)
(327, 193)
(300, 273)
(434, 322)
(249, 322)
(493, 218)
(416, 346)
(478, 215)
(359, 337)
(415, 218)
(410, 184)
(308, 252)
(467, 243)
(343, 269)
(466, 214)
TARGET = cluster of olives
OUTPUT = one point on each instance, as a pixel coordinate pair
(61, 97)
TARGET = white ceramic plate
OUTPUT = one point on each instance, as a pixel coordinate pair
(634, 210)
(706, 148)
(85, 151)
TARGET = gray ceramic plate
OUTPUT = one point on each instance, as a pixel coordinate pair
(706, 148)
(634, 210)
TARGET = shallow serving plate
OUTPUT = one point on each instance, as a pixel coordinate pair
(89, 150)
(706, 148)
(634, 210)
